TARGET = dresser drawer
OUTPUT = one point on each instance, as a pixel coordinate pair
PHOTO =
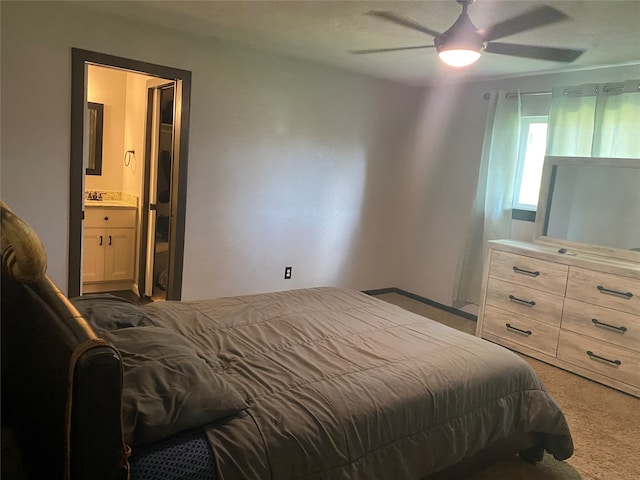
(601, 357)
(531, 272)
(532, 303)
(602, 323)
(613, 291)
(522, 330)
(116, 217)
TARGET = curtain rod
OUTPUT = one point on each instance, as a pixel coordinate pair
(628, 86)
(487, 96)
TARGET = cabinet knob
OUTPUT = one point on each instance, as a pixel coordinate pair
(106, 218)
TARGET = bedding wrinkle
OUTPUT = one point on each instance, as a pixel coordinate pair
(225, 443)
(314, 443)
(334, 412)
(247, 366)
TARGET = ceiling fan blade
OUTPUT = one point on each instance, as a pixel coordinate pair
(392, 17)
(380, 50)
(532, 51)
(536, 17)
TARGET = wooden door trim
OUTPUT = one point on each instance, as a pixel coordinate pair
(79, 58)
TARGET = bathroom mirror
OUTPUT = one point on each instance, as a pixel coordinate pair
(96, 119)
(591, 204)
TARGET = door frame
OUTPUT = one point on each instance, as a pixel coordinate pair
(79, 59)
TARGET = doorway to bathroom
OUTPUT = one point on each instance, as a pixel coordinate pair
(154, 150)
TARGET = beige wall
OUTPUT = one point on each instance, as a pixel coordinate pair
(290, 163)
(109, 87)
(134, 133)
(124, 96)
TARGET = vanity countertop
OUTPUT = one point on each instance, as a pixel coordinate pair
(110, 199)
(109, 204)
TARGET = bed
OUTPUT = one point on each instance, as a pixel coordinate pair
(321, 383)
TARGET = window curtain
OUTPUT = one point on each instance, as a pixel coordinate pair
(595, 121)
(491, 212)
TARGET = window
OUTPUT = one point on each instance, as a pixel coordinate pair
(533, 142)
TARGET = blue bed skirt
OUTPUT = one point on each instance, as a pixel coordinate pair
(185, 456)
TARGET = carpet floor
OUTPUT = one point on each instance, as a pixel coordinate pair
(605, 423)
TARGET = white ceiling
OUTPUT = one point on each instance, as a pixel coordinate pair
(325, 32)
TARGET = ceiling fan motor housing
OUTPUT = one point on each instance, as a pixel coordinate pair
(462, 35)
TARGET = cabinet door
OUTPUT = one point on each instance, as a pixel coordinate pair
(93, 250)
(119, 253)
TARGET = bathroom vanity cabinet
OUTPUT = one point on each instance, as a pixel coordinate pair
(108, 258)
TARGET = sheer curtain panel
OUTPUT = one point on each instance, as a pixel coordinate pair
(491, 212)
(595, 120)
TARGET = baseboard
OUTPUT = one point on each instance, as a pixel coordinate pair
(381, 291)
(413, 296)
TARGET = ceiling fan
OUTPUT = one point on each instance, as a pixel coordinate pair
(463, 42)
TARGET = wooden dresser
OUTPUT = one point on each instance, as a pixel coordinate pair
(575, 310)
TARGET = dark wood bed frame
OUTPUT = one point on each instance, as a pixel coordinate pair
(62, 384)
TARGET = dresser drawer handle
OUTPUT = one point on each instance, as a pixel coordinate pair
(614, 292)
(598, 323)
(593, 356)
(525, 272)
(528, 303)
(514, 329)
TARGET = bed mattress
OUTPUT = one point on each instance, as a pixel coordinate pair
(340, 385)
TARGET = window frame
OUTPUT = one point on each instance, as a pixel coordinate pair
(521, 211)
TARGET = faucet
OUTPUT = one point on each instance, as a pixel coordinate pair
(94, 195)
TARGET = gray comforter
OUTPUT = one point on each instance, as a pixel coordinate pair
(340, 385)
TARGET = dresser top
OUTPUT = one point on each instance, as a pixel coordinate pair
(568, 256)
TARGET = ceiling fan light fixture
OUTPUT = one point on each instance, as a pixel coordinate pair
(461, 45)
(459, 57)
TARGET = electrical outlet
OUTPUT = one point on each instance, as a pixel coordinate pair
(287, 273)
